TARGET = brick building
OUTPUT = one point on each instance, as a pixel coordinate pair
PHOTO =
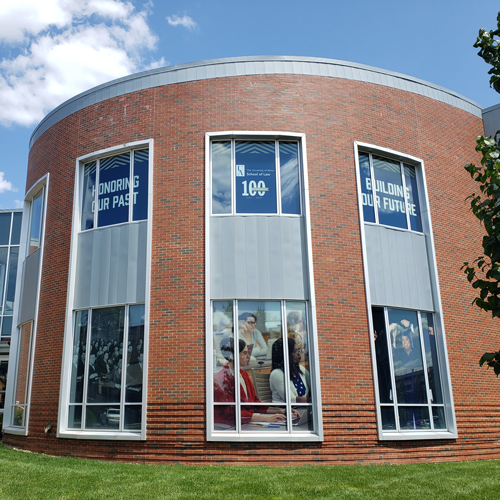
(315, 209)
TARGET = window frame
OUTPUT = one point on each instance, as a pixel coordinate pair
(417, 164)
(234, 137)
(451, 431)
(129, 148)
(311, 302)
(122, 403)
(24, 241)
(64, 393)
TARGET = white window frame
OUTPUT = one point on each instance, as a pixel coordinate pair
(42, 183)
(317, 435)
(385, 435)
(251, 137)
(62, 424)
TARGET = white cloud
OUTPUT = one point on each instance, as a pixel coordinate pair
(18, 204)
(71, 45)
(185, 21)
(5, 185)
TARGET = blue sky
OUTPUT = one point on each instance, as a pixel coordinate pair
(52, 50)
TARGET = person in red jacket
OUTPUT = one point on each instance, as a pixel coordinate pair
(224, 390)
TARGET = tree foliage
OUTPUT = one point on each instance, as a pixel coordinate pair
(484, 272)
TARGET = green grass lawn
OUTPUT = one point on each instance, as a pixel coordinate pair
(28, 475)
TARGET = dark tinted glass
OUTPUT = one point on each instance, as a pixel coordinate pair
(366, 188)
(5, 228)
(289, 172)
(140, 187)
(16, 228)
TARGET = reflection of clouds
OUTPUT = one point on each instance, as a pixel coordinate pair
(289, 178)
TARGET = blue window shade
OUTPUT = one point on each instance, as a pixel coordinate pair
(255, 178)
(140, 184)
(114, 176)
(366, 188)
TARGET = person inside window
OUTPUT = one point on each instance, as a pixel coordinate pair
(251, 335)
(224, 391)
(299, 376)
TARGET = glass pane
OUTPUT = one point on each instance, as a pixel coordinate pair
(412, 418)
(255, 178)
(135, 354)
(36, 221)
(304, 420)
(88, 196)
(11, 280)
(22, 373)
(4, 365)
(221, 177)
(276, 381)
(133, 417)
(16, 228)
(412, 198)
(388, 418)
(5, 228)
(389, 191)
(438, 417)
(407, 356)
(106, 334)
(296, 324)
(75, 417)
(224, 389)
(102, 417)
(141, 172)
(224, 418)
(257, 320)
(431, 358)
(289, 172)
(4, 252)
(77, 367)
(366, 188)
(382, 356)
(114, 187)
(222, 320)
(264, 418)
(6, 326)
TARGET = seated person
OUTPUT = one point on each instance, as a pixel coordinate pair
(299, 376)
(224, 390)
(251, 335)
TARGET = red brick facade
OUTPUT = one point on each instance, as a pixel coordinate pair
(332, 113)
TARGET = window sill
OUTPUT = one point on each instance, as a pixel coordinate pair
(109, 436)
(264, 436)
(417, 435)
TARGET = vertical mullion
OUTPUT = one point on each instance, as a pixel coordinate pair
(236, 366)
(391, 365)
(86, 367)
(233, 180)
(407, 207)
(374, 188)
(123, 390)
(131, 186)
(96, 195)
(277, 167)
(286, 358)
(424, 364)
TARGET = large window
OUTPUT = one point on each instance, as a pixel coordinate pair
(36, 221)
(408, 371)
(255, 177)
(22, 376)
(10, 230)
(115, 189)
(267, 343)
(389, 192)
(106, 388)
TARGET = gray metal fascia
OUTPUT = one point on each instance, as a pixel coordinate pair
(220, 68)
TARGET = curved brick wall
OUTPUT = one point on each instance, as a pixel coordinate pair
(332, 113)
